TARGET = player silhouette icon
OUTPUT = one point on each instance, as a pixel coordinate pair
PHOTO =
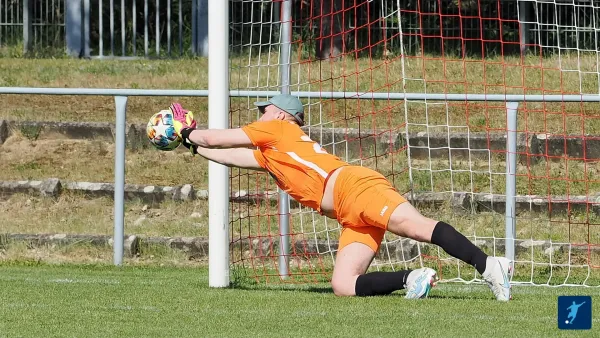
(573, 308)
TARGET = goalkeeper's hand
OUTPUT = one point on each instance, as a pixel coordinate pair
(184, 124)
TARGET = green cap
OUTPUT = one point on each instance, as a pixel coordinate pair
(287, 103)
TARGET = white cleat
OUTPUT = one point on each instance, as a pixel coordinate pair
(419, 282)
(497, 275)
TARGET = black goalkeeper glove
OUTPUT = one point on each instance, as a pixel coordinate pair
(185, 137)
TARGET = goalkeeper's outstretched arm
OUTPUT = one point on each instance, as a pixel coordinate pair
(232, 157)
(217, 138)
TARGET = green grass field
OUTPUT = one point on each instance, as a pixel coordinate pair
(104, 301)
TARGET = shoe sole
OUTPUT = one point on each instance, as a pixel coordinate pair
(433, 279)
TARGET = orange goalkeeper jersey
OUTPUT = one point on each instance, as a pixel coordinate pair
(298, 164)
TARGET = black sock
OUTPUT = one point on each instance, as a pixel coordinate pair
(380, 283)
(457, 245)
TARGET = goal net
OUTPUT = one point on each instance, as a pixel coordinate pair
(448, 158)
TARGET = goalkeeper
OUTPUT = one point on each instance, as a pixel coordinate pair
(360, 199)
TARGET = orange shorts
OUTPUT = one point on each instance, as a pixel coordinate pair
(364, 201)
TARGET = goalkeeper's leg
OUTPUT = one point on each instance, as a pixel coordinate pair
(356, 252)
(365, 197)
(406, 221)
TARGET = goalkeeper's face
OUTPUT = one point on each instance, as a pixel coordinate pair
(271, 112)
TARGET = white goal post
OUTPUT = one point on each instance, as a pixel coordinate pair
(218, 118)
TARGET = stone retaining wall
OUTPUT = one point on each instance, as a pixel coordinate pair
(458, 202)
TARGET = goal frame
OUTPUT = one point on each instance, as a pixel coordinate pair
(219, 95)
(219, 204)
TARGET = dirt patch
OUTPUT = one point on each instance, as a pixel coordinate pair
(93, 161)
